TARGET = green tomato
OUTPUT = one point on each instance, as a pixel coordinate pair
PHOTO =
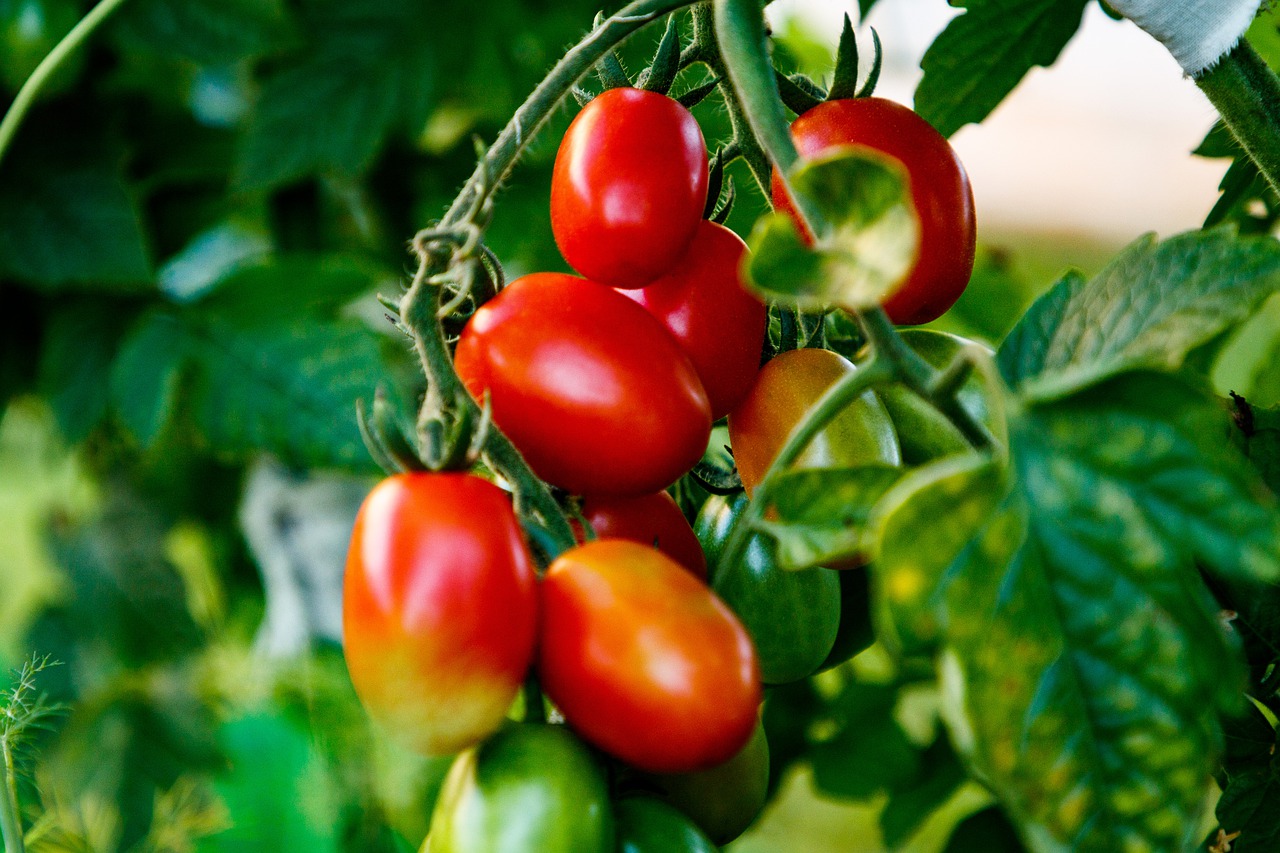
(923, 432)
(793, 617)
(855, 634)
(646, 825)
(726, 799)
(527, 789)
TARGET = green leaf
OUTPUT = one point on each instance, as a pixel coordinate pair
(209, 32)
(912, 803)
(988, 831)
(823, 512)
(984, 53)
(872, 244)
(1250, 802)
(279, 289)
(869, 752)
(1082, 658)
(1149, 308)
(368, 71)
(145, 376)
(79, 345)
(209, 257)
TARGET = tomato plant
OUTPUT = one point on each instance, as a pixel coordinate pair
(529, 787)
(703, 303)
(940, 192)
(439, 608)
(650, 520)
(648, 825)
(784, 390)
(643, 660)
(629, 186)
(592, 391)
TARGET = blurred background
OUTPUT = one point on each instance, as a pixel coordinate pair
(193, 223)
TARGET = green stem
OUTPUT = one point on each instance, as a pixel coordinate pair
(10, 819)
(48, 66)
(1246, 92)
(534, 710)
(876, 371)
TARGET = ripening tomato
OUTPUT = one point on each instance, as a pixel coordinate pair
(629, 186)
(439, 608)
(787, 386)
(643, 660)
(532, 788)
(940, 192)
(703, 304)
(648, 825)
(592, 391)
(653, 520)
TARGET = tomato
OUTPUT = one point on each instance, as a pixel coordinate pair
(528, 789)
(643, 660)
(856, 634)
(724, 800)
(924, 432)
(704, 305)
(653, 520)
(592, 391)
(792, 616)
(439, 608)
(629, 186)
(940, 192)
(647, 825)
(787, 386)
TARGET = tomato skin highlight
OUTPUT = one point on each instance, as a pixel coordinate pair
(704, 304)
(653, 520)
(628, 188)
(784, 390)
(439, 608)
(528, 788)
(940, 191)
(648, 825)
(643, 660)
(592, 391)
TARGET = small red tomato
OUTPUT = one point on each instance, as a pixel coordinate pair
(644, 661)
(592, 391)
(652, 520)
(629, 185)
(439, 608)
(939, 189)
(721, 326)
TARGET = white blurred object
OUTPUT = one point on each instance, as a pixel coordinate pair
(298, 528)
(1197, 32)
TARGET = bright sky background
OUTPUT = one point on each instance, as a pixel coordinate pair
(1096, 145)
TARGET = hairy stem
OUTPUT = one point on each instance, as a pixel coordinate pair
(10, 819)
(1247, 94)
(48, 66)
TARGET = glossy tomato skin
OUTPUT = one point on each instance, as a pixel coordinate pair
(939, 189)
(784, 390)
(629, 186)
(439, 608)
(793, 617)
(592, 391)
(648, 825)
(856, 633)
(724, 800)
(704, 304)
(528, 788)
(643, 660)
(653, 520)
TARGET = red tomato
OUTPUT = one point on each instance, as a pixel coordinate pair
(439, 608)
(595, 395)
(652, 520)
(939, 188)
(629, 185)
(644, 661)
(703, 304)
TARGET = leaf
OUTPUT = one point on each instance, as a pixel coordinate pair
(1250, 805)
(279, 289)
(367, 71)
(988, 831)
(869, 752)
(145, 376)
(872, 244)
(209, 257)
(983, 54)
(912, 803)
(822, 513)
(1149, 308)
(1082, 658)
(79, 345)
(209, 32)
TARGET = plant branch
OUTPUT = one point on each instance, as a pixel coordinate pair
(1246, 92)
(10, 818)
(48, 67)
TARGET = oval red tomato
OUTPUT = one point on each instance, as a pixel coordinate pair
(644, 661)
(439, 608)
(702, 302)
(629, 186)
(939, 189)
(592, 391)
(654, 520)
